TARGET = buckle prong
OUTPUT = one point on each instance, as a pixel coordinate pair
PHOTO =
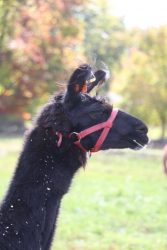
(77, 136)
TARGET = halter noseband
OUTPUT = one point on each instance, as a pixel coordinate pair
(104, 125)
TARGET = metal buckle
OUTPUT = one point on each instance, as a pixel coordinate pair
(76, 137)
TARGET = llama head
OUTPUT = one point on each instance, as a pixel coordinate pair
(84, 111)
(73, 112)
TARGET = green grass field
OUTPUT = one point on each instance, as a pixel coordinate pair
(119, 202)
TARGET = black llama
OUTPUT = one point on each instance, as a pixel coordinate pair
(70, 125)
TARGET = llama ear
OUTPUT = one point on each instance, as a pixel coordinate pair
(78, 84)
(100, 77)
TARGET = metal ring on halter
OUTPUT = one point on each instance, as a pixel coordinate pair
(77, 136)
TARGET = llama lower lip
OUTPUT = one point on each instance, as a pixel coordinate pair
(134, 144)
(139, 145)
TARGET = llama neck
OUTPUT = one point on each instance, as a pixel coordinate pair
(43, 169)
(42, 177)
(48, 167)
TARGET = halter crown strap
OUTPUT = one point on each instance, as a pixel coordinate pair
(104, 125)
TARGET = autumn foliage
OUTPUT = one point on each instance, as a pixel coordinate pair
(42, 40)
(43, 45)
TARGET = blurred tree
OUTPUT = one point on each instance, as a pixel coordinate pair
(142, 80)
(43, 44)
(7, 15)
(104, 33)
(7, 12)
(154, 45)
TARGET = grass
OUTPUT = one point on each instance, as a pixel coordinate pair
(118, 202)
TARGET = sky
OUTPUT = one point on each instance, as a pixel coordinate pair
(141, 13)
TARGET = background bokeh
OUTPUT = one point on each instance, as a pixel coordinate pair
(41, 42)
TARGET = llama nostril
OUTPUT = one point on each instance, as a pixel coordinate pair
(142, 128)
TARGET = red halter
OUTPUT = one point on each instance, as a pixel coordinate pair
(106, 127)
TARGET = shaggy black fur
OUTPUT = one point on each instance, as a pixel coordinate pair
(44, 171)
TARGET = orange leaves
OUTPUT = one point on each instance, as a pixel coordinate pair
(26, 116)
(46, 42)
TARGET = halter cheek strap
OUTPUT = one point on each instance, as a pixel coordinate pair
(60, 137)
(106, 126)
